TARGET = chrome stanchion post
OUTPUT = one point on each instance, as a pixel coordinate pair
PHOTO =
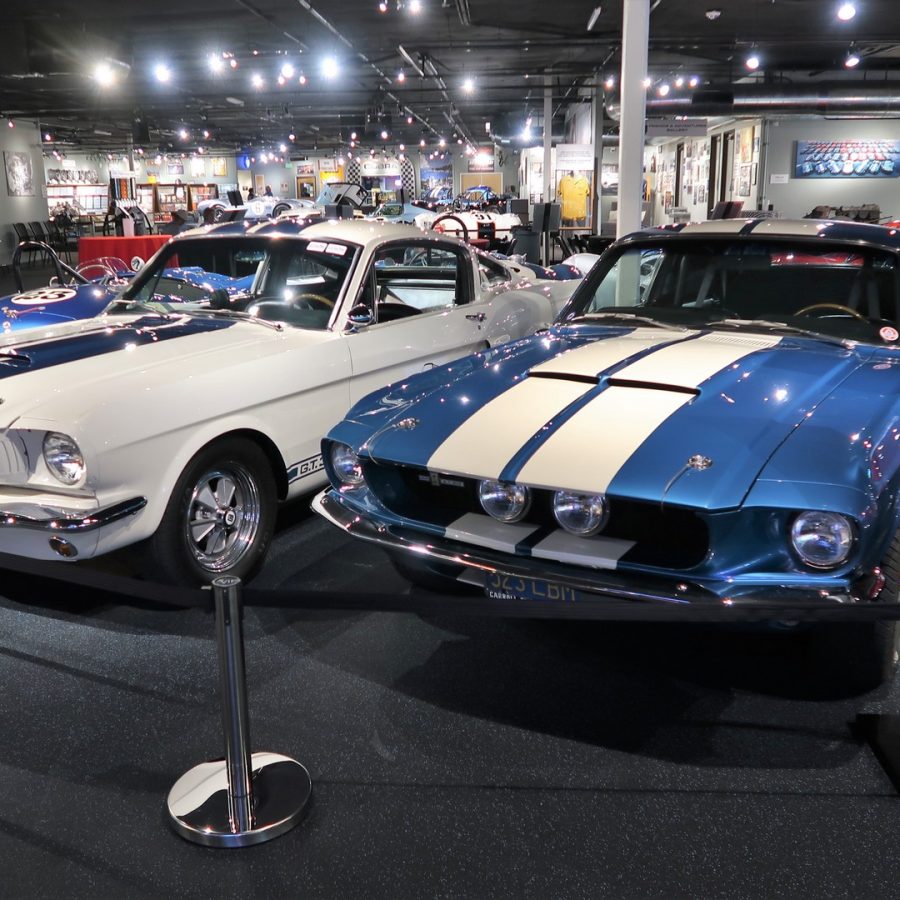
(247, 798)
(233, 686)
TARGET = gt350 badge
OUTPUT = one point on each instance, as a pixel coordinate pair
(43, 295)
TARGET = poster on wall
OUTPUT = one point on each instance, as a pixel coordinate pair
(744, 182)
(219, 167)
(746, 144)
(609, 178)
(306, 168)
(434, 173)
(847, 159)
(176, 168)
(198, 167)
(19, 176)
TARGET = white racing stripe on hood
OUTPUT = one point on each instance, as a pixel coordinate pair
(588, 450)
(598, 356)
(487, 440)
(691, 363)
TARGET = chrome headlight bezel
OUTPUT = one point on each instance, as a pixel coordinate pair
(813, 529)
(518, 496)
(63, 458)
(346, 465)
(595, 506)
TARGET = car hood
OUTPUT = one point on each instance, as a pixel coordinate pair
(57, 373)
(685, 417)
(50, 305)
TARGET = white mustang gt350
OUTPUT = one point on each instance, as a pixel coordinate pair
(183, 425)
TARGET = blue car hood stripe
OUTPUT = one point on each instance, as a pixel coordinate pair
(29, 357)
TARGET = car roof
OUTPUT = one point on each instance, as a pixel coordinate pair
(831, 229)
(354, 231)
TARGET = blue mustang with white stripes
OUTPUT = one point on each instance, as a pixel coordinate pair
(714, 418)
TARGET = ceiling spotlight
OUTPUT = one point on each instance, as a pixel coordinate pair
(846, 11)
(592, 21)
(104, 74)
(409, 120)
(48, 137)
(183, 134)
(713, 14)
(330, 67)
(199, 149)
(402, 147)
(257, 80)
(679, 82)
(280, 79)
(852, 60)
(382, 7)
(647, 82)
(384, 135)
(205, 134)
(415, 6)
(609, 83)
(302, 79)
(694, 81)
(468, 85)
(401, 76)
(233, 63)
(663, 90)
(216, 63)
(292, 136)
(752, 62)
(422, 142)
(162, 73)
(287, 70)
(442, 143)
(282, 148)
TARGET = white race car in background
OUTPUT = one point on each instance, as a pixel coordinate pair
(182, 429)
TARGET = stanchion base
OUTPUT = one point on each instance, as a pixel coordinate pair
(198, 801)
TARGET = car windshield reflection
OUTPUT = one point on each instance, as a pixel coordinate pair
(296, 282)
(849, 293)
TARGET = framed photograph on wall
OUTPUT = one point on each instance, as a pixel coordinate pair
(754, 172)
(19, 174)
(744, 181)
(219, 167)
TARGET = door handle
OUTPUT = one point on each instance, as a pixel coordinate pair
(476, 317)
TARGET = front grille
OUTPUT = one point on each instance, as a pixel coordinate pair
(13, 468)
(664, 537)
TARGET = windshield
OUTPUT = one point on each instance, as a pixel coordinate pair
(849, 292)
(290, 280)
(389, 209)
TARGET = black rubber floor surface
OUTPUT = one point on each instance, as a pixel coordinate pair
(471, 758)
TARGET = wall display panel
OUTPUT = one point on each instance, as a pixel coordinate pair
(19, 174)
(879, 158)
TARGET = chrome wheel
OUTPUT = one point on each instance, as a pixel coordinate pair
(223, 517)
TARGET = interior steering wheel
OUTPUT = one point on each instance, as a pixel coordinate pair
(313, 301)
(836, 307)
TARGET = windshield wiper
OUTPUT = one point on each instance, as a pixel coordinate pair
(628, 317)
(237, 314)
(767, 325)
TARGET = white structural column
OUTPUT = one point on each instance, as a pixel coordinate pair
(635, 38)
(548, 135)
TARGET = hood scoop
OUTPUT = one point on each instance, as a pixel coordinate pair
(616, 382)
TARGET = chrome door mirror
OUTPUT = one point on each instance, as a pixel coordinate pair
(358, 317)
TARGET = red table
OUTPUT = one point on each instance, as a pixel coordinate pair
(124, 248)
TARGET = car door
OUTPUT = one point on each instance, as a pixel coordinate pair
(426, 311)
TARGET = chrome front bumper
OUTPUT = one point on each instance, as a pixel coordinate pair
(69, 522)
(477, 563)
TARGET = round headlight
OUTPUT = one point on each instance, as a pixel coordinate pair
(505, 501)
(822, 539)
(63, 457)
(346, 465)
(581, 514)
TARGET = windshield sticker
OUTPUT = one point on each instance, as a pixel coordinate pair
(316, 246)
(336, 249)
(43, 295)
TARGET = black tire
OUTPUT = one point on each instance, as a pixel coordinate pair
(432, 580)
(218, 214)
(240, 526)
(858, 657)
(279, 208)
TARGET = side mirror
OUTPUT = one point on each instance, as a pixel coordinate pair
(219, 299)
(136, 263)
(359, 316)
(54, 281)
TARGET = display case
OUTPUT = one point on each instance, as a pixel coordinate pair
(199, 192)
(146, 198)
(170, 197)
(89, 198)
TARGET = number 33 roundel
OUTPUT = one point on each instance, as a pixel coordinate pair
(43, 295)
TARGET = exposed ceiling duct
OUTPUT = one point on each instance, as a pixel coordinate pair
(874, 100)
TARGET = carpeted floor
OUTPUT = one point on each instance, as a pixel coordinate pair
(472, 758)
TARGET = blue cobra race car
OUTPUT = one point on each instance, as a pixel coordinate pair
(714, 418)
(87, 291)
